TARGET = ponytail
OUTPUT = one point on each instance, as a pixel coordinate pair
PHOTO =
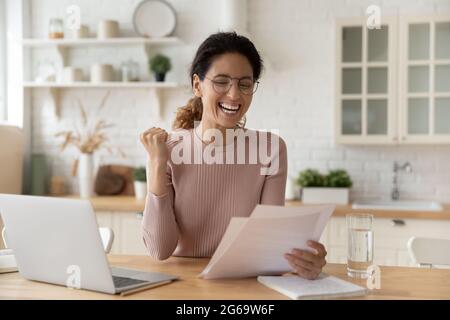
(187, 115)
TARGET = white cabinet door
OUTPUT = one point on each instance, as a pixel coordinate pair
(127, 231)
(336, 244)
(403, 258)
(337, 254)
(365, 82)
(129, 224)
(425, 77)
(384, 256)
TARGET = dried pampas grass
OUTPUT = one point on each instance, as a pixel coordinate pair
(93, 137)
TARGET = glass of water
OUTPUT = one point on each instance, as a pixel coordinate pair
(359, 245)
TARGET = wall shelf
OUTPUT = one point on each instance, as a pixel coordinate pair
(154, 89)
(31, 42)
(62, 46)
(111, 84)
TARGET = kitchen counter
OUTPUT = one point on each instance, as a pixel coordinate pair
(342, 210)
(129, 203)
(396, 283)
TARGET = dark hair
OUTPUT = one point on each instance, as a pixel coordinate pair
(215, 45)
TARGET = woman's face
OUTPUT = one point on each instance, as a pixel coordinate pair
(222, 108)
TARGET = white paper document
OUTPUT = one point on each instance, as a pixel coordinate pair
(256, 245)
(324, 287)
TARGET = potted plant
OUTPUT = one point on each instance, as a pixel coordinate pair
(160, 65)
(331, 188)
(140, 182)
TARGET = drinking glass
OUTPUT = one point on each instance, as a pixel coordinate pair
(360, 244)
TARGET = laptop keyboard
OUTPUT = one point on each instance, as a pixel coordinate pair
(120, 282)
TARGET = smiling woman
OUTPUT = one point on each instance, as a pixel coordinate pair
(190, 204)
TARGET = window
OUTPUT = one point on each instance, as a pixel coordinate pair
(2, 61)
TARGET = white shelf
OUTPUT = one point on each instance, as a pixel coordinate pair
(153, 88)
(98, 42)
(63, 46)
(112, 84)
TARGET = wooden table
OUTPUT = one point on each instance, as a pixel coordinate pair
(396, 283)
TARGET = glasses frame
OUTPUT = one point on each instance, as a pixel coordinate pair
(255, 83)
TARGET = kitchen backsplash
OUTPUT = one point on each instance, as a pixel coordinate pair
(296, 94)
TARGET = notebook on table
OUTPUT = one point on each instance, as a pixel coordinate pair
(324, 287)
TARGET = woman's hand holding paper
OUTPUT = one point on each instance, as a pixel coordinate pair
(306, 264)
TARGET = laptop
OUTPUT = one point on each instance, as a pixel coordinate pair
(57, 241)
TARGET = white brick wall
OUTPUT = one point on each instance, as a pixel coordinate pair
(295, 95)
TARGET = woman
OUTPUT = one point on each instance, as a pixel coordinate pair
(189, 206)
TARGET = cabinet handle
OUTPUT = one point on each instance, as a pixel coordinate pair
(398, 222)
(139, 215)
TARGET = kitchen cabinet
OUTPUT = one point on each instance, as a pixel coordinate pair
(425, 72)
(365, 82)
(393, 83)
(123, 215)
(390, 238)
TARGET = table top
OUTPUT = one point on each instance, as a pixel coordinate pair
(396, 283)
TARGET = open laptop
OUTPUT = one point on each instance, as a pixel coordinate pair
(57, 241)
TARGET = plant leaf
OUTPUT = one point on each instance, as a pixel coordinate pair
(83, 112)
(102, 103)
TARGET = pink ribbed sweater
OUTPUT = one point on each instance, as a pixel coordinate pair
(191, 218)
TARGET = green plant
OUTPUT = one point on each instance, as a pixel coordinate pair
(160, 64)
(140, 174)
(338, 179)
(334, 179)
(310, 178)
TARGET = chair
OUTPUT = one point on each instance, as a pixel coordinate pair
(429, 252)
(106, 234)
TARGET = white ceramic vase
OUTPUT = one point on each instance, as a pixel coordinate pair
(102, 73)
(140, 189)
(108, 29)
(71, 74)
(86, 175)
(234, 16)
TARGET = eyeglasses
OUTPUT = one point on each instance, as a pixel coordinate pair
(223, 84)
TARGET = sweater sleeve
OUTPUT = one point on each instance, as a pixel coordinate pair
(159, 226)
(274, 188)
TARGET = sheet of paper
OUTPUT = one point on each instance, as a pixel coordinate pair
(255, 246)
(233, 229)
